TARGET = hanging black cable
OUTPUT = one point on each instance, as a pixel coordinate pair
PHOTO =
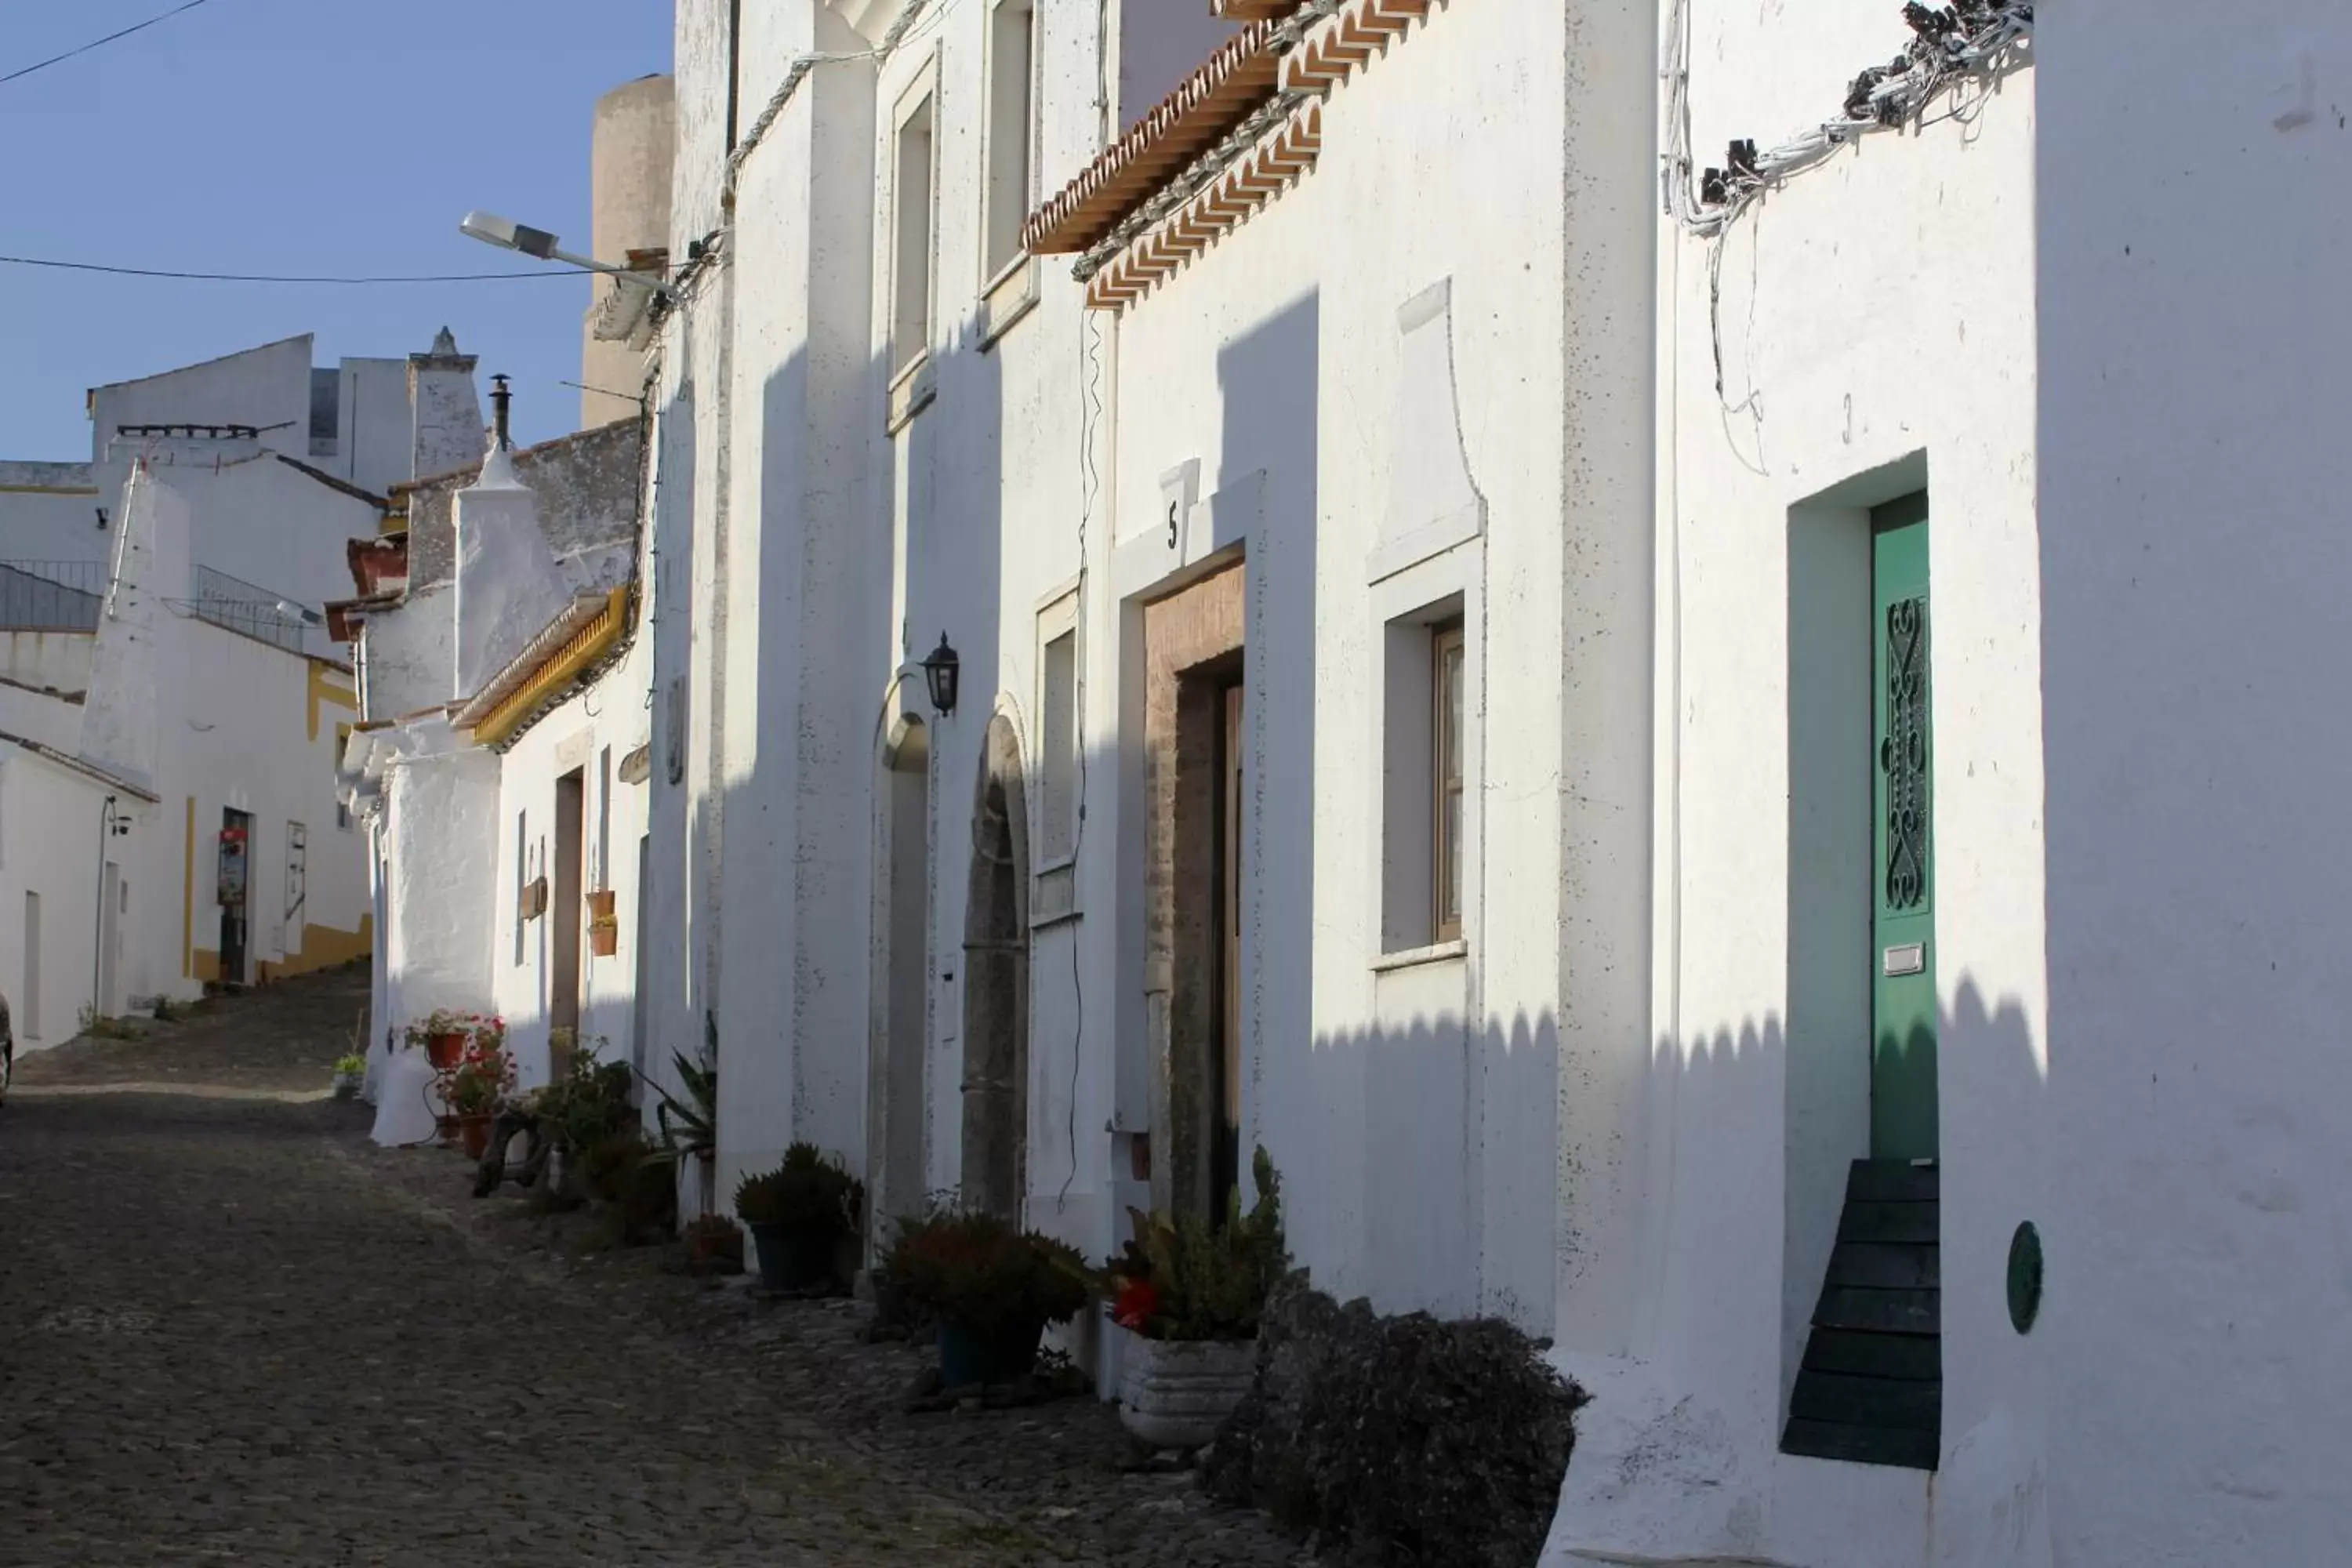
(99, 43)
(275, 278)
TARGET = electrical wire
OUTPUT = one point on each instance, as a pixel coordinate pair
(280, 277)
(904, 31)
(1968, 38)
(98, 43)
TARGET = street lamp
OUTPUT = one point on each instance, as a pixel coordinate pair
(110, 826)
(941, 673)
(539, 245)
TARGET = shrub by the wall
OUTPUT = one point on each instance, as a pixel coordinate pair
(1399, 1442)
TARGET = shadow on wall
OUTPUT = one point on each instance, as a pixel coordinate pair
(1718, 1297)
(1424, 1171)
(817, 643)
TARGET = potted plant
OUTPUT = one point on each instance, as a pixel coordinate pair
(689, 1125)
(443, 1033)
(797, 1215)
(350, 1071)
(1192, 1293)
(587, 1103)
(714, 1245)
(603, 925)
(993, 1289)
(483, 1077)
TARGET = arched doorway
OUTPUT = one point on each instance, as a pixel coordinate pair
(898, 1059)
(996, 985)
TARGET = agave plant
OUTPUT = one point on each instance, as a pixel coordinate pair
(689, 1124)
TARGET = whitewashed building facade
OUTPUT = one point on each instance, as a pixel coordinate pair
(1717, 782)
(504, 716)
(163, 647)
(1217, 847)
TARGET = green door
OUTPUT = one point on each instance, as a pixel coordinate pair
(1902, 928)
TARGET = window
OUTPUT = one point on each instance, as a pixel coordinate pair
(1011, 31)
(1445, 783)
(1059, 723)
(601, 874)
(1428, 743)
(342, 810)
(910, 321)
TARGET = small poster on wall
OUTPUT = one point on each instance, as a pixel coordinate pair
(231, 894)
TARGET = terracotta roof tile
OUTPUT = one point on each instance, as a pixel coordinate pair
(1206, 105)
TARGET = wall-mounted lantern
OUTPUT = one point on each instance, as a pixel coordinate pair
(941, 672)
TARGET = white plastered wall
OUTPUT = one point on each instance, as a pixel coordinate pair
(1876, 332)
(593, 732)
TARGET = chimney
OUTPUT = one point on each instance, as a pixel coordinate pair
(508, 585)
(444, 408)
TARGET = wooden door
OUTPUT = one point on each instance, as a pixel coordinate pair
(1232, 820)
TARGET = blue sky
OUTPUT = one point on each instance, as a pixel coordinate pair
(294, 136)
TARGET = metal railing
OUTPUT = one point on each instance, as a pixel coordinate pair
(51, 595)
(247, 608)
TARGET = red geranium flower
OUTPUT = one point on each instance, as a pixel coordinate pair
(1136, 1305)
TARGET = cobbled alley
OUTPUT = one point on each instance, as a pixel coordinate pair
(232, 1330)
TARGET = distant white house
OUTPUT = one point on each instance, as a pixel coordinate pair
(161, 640)
(499, 764)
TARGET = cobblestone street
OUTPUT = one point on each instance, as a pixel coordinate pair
(238, 1331)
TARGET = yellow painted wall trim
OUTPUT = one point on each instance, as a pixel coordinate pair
(323, 947)
(188, 900)
(206, 966)
(584, 647)
(48, 490)
(324, 690)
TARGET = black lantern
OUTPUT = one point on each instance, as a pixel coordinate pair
(939, 671)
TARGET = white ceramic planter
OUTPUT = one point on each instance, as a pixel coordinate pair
(1176, 1395)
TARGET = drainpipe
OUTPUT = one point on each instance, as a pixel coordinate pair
(734, 70)
(109, 827)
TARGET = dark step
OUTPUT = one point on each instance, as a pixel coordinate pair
(1915, 1223)
(1916, 1358)
(1881, 1312)
(1893, 1181)
(1879, 1265)
(1860, 1444)
(1868, 1401)
(1870, 1390)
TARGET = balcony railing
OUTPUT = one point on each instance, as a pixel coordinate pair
(247, 608)
(51, 595)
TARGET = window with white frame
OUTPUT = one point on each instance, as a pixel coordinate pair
(1011, 63)
(910, 321)
(1424, 849)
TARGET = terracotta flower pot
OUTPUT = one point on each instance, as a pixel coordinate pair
(474, 1129)
(443, 1051)
(1176, 1394)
